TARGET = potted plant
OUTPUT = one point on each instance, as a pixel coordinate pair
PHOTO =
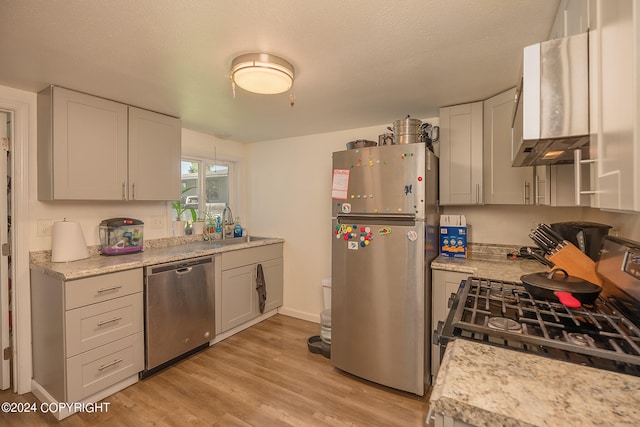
(180, 208)
(197, 226)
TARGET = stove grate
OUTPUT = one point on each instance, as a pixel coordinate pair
(597, 331)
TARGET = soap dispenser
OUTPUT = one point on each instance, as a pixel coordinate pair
(237, 228)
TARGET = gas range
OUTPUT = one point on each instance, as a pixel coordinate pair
(603, 335)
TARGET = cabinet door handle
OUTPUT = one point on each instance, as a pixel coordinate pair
(525, 193)
(107, 365)
(106, 322)
(112, 288)
(477, 194)
(124, 194)
(133, 191)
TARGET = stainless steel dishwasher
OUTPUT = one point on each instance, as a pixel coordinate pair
(179, 310)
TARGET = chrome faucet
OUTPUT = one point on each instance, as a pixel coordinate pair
(227, 222)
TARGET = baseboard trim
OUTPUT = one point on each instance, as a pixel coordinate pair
(230, 332)
(315, 318)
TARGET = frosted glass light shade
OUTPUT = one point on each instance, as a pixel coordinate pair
(262, 73)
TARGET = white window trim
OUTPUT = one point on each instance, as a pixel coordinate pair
(234, 180)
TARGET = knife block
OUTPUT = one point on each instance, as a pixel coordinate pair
(575, 262)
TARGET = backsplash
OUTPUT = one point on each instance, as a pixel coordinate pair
(491, 250)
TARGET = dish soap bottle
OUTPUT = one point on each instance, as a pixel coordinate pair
(237, 229)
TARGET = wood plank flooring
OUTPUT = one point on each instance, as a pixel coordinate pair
(262, 376)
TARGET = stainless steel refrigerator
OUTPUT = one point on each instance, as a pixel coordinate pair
(385, 227)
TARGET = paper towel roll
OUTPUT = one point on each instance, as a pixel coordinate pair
(67, 242)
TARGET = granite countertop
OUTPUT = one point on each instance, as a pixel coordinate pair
(485, 385)
(490, 261)
(175, 250)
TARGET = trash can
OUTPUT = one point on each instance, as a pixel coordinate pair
(321, 344)
(326, 292)
(325, 326)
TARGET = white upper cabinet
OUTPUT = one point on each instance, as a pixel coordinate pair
(461, 154)
(572, 18)
(576, 17)
(503, 183)
(82, 146)
(614, 99)
(154, 156)
(90, 148)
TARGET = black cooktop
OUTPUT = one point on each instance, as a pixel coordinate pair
(505, 314)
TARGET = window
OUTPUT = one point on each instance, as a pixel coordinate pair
(206, 186)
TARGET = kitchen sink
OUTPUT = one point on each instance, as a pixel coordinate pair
(238, 240)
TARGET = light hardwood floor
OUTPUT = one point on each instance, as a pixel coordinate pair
(262, 376)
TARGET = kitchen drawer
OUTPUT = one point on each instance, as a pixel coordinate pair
(96, 289)
(95, 370)
(241, 257)
(94, 325)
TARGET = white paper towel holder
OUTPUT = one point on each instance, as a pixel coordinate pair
(67, 242)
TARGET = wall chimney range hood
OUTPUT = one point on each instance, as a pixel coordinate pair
(551, 115)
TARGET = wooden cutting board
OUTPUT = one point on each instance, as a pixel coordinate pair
(575, 262)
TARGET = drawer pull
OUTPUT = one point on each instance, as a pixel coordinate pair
(108, 365)
(106, 322)
(112, 288)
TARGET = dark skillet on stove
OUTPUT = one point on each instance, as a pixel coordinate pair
(558, 285)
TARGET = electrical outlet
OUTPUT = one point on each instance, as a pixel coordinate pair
(44, 227)
(157, 221)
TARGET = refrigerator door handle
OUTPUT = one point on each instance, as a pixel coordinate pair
(398, 219)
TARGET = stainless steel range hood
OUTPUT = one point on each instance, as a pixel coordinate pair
(551, 115)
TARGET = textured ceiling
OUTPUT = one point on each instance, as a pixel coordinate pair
(358, 63)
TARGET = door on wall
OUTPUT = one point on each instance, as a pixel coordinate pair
(5, 256)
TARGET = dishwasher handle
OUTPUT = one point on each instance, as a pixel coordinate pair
(182, 267)
(184, 270)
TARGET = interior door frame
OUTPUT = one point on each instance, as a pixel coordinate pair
(23, 105)
(6, 136)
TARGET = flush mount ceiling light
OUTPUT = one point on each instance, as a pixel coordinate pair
(262, 73)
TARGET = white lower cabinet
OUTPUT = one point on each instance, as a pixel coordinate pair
(236, 294)
(444, 284)
(87, 335)
(97, 369)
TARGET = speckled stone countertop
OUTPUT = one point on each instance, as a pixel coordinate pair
(489, 261)
(484, 385)
(155, 252)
